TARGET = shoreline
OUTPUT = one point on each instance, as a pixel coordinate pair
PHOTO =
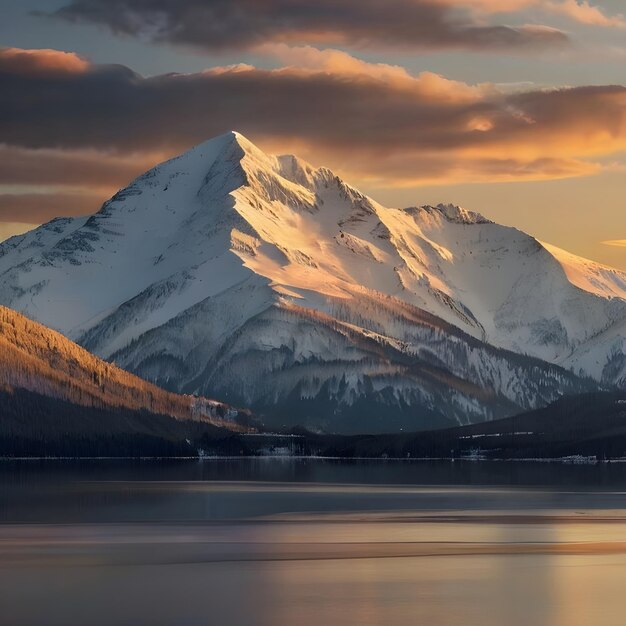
(568, 460)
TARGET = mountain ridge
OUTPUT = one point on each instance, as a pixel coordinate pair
(206, 253)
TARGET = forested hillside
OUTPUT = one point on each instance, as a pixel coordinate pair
(37, 359)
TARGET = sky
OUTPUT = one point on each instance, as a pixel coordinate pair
(512, 108)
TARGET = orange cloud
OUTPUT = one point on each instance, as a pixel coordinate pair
(35, 208)
(302, 59)
(372, 122)
(41, 61)
(85, 168)
(618, 243)
(581, 11)
(9, 229)
(408, 169)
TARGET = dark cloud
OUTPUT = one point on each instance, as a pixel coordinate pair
(370, 122)
(35, 208)
(236, 24)
(345, 111)
(91, 169)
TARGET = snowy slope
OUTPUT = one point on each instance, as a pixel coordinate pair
(262, 279)
(590, 276)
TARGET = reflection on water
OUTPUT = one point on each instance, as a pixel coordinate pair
(310, 543)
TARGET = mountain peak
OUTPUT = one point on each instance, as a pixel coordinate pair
(229, 137)
(298, 170)
(233, 137)
(224, 144)
(234, 145)
(453, 213)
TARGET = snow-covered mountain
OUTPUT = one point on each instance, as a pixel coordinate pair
(263, 281)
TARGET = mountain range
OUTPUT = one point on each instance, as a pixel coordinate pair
(57, 399)
(267, 283)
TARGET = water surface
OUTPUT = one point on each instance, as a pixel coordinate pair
(306, 542)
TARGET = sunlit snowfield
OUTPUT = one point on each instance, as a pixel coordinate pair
(304, 542)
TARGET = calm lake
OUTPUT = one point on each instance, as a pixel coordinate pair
(311, 542)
